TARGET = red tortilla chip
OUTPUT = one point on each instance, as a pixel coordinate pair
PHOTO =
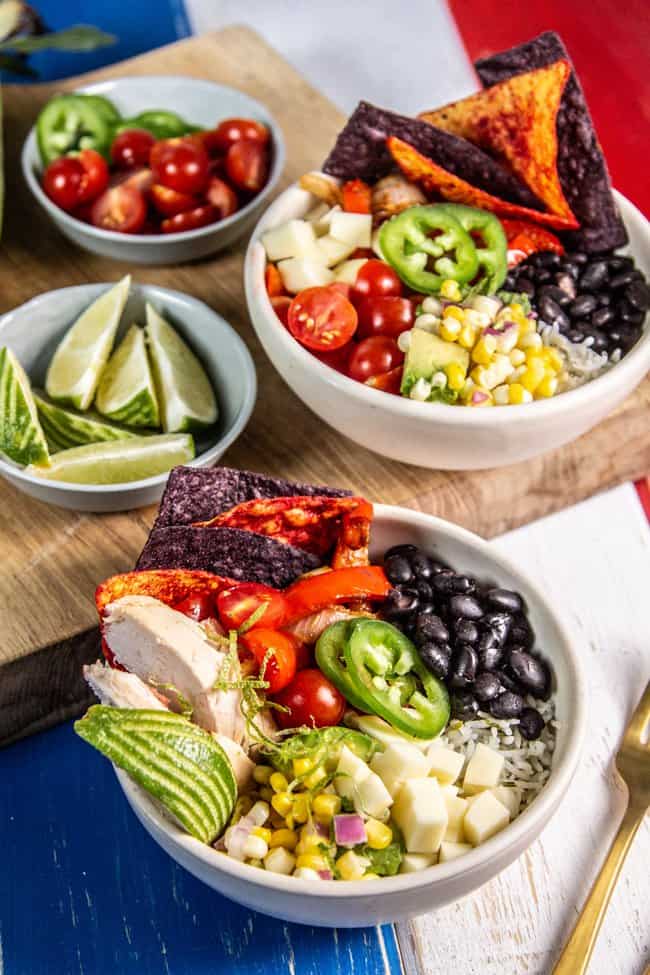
(439, 182)
(516, 121)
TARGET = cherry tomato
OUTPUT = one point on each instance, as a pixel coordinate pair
(389, 382)
(182, 164)
(233, 130)
(322, 319)
(121, 208)
(198, 608)
(132, 148)
(342, 288)
(312, 701)
(273, 281)
(376, 278)
(95, 178)
(384, 315)
(190, 220)
(374, 356)
(247, 165)
(139, 179)
(222, 196)
(281, 305)
(62, 181)
(238, 603)
(280, 667)
(338, 359)
(362, 252)
(304, 655)
(170, 202)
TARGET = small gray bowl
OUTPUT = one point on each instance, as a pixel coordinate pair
(202, 103)
(33, 330)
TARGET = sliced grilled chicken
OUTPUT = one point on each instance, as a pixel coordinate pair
(391, 195)
(121, 689)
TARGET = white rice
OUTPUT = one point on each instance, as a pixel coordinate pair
(582, 363)
(527, 763)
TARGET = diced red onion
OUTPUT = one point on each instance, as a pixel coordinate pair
(235, 840)
(326, 875)
(479, 397)
(349, 830)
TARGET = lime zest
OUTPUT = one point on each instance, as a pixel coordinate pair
(253, 619)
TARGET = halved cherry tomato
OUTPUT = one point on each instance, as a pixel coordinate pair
(273, 281)
(120, 208)
(389, 382)
(233, 130)
(374, 356)
(356, 196)
(62, 181)
(247, 165)
(181, 164)
(139, 179)
(313, 593)
(304, 654)
(132, 148)
(237, 604)
(312, 701)
(281, 663)
(95, 178)
(190, 220)
(322, 319)
(384, 315)
(170, 202)
(281, 305)
(222, 196)
(199, 607)
(362, 252)
(376, 278)
(342, 288)
(338, 359)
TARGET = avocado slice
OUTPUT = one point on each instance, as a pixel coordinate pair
(428, 354)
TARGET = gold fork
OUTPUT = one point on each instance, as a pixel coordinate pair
(633, 767)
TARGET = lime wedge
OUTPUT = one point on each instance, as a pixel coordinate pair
(126, 392)
(185, 395)
(21, 436)
(117, 461)
(65, 428)
(82, 353)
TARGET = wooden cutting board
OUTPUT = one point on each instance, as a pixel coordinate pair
(51, 559)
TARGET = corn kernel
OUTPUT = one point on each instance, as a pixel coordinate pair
(370, 876)
(531, 340)
(484, 350)
(350, 866)
(301, 766)
(279, 860)
(453, 311)
(262, 774)
(255, 847)
(517, 357)
(533, 375)
(300, 811)
(501, 395)
(526, 325)
(326, 806)
(450, 329)
(314, 778)
(263, 832)
(450, 290)
(555, 358)
(467, 336)
(379, 835)
(477, 319)
(314, 861)
(278, 782)
(477, 375)
(455, 376)
(547, 387)
(287, 838)
(519, 395)
(266, 793)
(282, 802)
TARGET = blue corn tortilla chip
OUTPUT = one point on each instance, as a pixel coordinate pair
(226, 552)
(360, 152)
(580, 161)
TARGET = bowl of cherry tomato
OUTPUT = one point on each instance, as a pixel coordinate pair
(123, 177)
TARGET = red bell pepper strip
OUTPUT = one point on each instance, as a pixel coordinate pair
(352, 545)
(356, 197)
(313, 593)
(273, 281)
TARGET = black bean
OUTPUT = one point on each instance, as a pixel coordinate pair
(555, 294)
(401, 602)
(575, 335)
(526, 286)
(543, 275)
(594, 276)
(450, 584)
(436, 658)
(577, 257)
(627, 313)
(531, 723)
(638, 295)
(529, 671)
(510, 683)
(566, 284)
(582, 306)
(572, 269)
(465, 606)
(622, 279)
(398, 569)
(440, 567)
(548, 309)
(466, 631)
(499, 624)
(490, 658)
(421, 565)
(464, 666)
(505, 599)
(424, 590)
(464, 705)
(603, 300)
(510, 283)
(600, 342)
(521, 633)
(507, 705)
(406, 550)
(547, 259)
(602, 316)
(620, 263)
(430, 627)
(487, 686)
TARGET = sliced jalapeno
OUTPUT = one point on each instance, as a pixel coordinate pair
(330, 657)
(162, 124)
(490, 242)
(69, 123)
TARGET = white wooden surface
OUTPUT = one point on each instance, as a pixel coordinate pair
(594, 558)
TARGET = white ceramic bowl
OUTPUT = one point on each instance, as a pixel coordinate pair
(33, 331)
(435, 435)
(199, 102)
(354, 904)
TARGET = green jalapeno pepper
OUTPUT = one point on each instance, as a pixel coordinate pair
(69, 123)
(330, 657)
(427, 245)
(490, 243)
(161, 123)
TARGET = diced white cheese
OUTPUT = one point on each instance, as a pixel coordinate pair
(350, 772)
(414, 862)
(317, 215)
(399, 762)
(449, 851)
(325, 222)
(373, 798)
(279, 860)
(298, 274)
(333, 251)
(449, 790)
(347, 273)
(483, 770)
(485, 817)
(445, 763)
(456, 810)
(421, 814)
(295, 238)
(353, 228)
(377, 728)
(509, 796)
(306, 873)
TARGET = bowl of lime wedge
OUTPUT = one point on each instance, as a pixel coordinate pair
(105, 387)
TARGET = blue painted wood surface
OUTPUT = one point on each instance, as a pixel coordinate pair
(85, 890)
